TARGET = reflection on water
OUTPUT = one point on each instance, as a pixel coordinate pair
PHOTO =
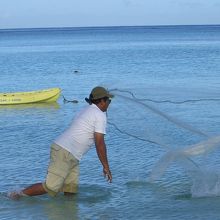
(41, 207)
(53, 105)
(59, 207)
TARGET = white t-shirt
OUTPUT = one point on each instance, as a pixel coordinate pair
(79, 137)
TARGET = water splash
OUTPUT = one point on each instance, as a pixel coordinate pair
(205, 183)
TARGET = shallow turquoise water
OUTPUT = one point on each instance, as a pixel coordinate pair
(159, 63)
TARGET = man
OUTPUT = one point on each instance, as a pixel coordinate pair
(87, 128)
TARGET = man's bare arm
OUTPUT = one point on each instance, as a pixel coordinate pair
(102, 154)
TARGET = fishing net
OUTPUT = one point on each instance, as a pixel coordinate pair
(172, 125)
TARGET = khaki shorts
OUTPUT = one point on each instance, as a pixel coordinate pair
(62, 173)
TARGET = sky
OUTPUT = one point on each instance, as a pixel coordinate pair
(87, 13)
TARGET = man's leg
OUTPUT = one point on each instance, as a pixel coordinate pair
(70, 186)
(34, 190)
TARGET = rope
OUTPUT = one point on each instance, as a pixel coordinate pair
(166, 101)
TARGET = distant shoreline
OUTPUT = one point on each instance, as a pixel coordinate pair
(106, 27)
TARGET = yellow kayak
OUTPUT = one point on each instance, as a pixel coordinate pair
(46, 95)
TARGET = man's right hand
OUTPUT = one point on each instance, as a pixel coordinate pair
(107, 175)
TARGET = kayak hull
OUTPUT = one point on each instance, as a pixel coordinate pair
(40, 96)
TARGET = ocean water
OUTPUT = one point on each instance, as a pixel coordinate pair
(166, 81)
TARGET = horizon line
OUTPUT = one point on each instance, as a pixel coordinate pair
(108, 26)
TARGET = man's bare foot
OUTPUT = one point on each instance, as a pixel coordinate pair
(15, 195)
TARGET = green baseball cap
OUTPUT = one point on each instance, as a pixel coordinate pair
(100, 92)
